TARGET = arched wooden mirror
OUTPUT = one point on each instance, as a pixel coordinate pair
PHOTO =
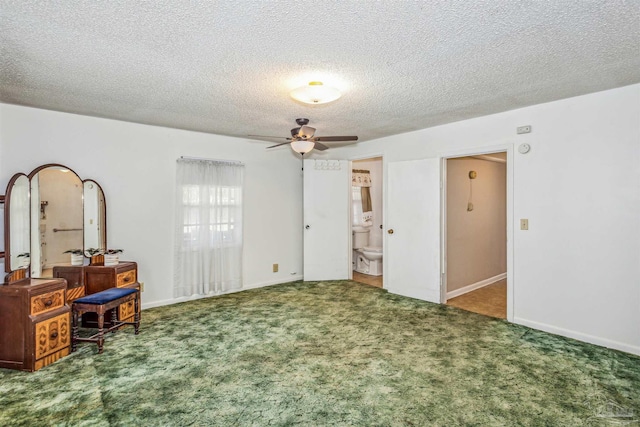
(95, 212)
(53, 211)
(56, 218)
(2, 229)
(17, 228)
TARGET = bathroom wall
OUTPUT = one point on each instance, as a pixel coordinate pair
(374, 166)
(477, 239)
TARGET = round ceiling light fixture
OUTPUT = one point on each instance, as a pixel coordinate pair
(315, 93)
(302, 146)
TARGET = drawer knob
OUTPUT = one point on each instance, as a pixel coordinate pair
(48, 303)
(54, 335)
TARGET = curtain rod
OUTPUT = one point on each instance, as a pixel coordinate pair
(237, 162)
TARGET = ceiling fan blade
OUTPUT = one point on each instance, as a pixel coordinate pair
(278, 145)
(335, 138)
(268, 136)
(320, 147)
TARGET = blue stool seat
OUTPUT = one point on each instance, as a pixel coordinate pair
(105, 296)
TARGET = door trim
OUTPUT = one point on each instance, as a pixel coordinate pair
(507, 147)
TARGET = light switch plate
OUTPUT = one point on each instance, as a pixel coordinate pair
(524, 224)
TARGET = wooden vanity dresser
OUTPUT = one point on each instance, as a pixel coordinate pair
(45, 212)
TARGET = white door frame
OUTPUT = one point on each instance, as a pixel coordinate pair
(508, 147)
(384, 211)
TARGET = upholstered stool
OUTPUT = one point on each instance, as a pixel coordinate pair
(100, 303)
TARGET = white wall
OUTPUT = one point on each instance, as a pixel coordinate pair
(577, 269)
(135, 165)
(375, 168)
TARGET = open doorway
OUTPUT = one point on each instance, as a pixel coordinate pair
(476, 233)
(366, 221)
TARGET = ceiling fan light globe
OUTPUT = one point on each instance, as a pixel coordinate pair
(315, 93)
(302, 146)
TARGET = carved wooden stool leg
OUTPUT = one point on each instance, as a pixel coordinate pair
(100, 332)
(136, 316)
(114, 318)
(74, 332)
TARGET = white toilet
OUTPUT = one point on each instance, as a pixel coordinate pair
(368, 259)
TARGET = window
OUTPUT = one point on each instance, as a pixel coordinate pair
(215, 212)
(208, 251)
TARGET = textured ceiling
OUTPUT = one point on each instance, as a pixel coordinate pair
(227, 67)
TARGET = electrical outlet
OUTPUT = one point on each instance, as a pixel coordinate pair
(275, 268)
(524, 224)
(141, 286)
(523, 129)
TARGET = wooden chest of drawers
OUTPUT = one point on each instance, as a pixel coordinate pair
(36, 327)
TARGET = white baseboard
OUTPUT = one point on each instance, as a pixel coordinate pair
(628, 348)
(197, 297)
(477, 285)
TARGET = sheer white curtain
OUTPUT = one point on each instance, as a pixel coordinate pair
(208, 249)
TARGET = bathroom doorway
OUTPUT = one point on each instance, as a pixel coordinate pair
(367, 220)
(476, 233)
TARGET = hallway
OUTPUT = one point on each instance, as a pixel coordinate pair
(489, 300)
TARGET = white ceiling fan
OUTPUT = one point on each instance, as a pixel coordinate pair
(303, 138)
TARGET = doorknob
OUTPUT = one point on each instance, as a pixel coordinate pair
(390, 231)
(307, 226)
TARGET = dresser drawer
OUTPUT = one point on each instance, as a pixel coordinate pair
(126, 278)
(47, 302)
(52, 335)
(126, 311)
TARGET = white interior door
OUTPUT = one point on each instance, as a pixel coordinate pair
(326, 219)
(413, 217)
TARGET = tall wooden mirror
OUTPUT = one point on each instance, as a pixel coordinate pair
(48, 213)
(95, 221)
(56, 218)
(17, 226)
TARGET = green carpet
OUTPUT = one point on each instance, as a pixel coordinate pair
(322, 354)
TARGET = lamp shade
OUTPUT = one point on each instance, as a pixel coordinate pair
(315, 93)
(302, 146)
